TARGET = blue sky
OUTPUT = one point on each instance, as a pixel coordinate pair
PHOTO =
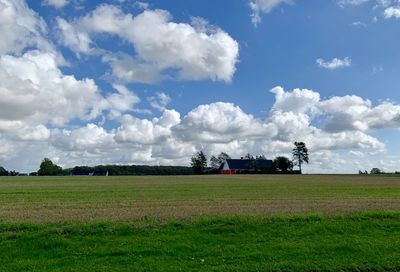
(281, 50)
(153, 82)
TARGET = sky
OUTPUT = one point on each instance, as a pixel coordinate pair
(132, 82)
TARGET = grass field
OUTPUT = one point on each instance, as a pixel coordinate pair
(206, 223)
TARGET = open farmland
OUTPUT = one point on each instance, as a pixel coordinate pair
(49, 199)
(200, 223)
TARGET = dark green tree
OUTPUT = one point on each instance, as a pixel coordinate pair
(216, 161)
(3, 171)
(48, 168)
(199, 162)
(13, 173)
(249, 156)
(283, 164)
(376, 171)
(300, 154)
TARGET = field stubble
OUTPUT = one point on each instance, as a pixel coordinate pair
(140, 199)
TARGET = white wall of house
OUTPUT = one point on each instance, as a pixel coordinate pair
(226, 166)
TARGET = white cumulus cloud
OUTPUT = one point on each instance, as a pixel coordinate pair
(20, 27)
(160, 44)
(46, 112)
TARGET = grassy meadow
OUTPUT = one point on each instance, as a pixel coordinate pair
(200, 223)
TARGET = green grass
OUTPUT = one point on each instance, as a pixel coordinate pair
(200, 223)
(362, 242)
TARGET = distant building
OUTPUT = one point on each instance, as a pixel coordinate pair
(232, 166)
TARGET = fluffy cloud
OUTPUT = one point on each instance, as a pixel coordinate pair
(33, 89)
(20, 27)
(122, 101)
(76, 40)
(193, 52)
(264, 6)
(297, 101)
(91, 138)
(351, 113)
(45, 112)
(217, 127)
(344, 113)
(146, 132)
(56, 3)
(220, 123)
(334, 63)
(35, 94)
(392, 12)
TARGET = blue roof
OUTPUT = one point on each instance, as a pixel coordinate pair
(244, 164)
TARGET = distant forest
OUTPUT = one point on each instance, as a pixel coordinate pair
(48, 168)
(127, 170)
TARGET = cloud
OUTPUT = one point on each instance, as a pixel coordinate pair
(36, 97)
(356, 153)
(344, 3)
(391, 8)
(264, 6)
(392, 12)
(377, 69)
(220, 123)
(161, 45)
(334, 63)
(297, 101)
(344, 113)
(159, 101)
(33, 89)
(20, 27)
(349, 113)
(76, 40)
(45, 112)
(216, 127)
(121, 102)
(128, 69)
(91, 138)
(56, 3)
(355, 3)
(146, 132)
(359, 23)
(142, 5)
(24, 131)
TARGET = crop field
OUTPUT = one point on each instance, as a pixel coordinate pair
(200, 223)
(135, 199)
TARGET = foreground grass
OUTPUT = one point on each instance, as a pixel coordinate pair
(360, 242)
(135, 199)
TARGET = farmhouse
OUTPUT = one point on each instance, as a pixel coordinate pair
(235, 166)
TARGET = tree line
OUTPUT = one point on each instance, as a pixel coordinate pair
(48, 168)
(199, 165)
(375, 171)
(280, 164)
